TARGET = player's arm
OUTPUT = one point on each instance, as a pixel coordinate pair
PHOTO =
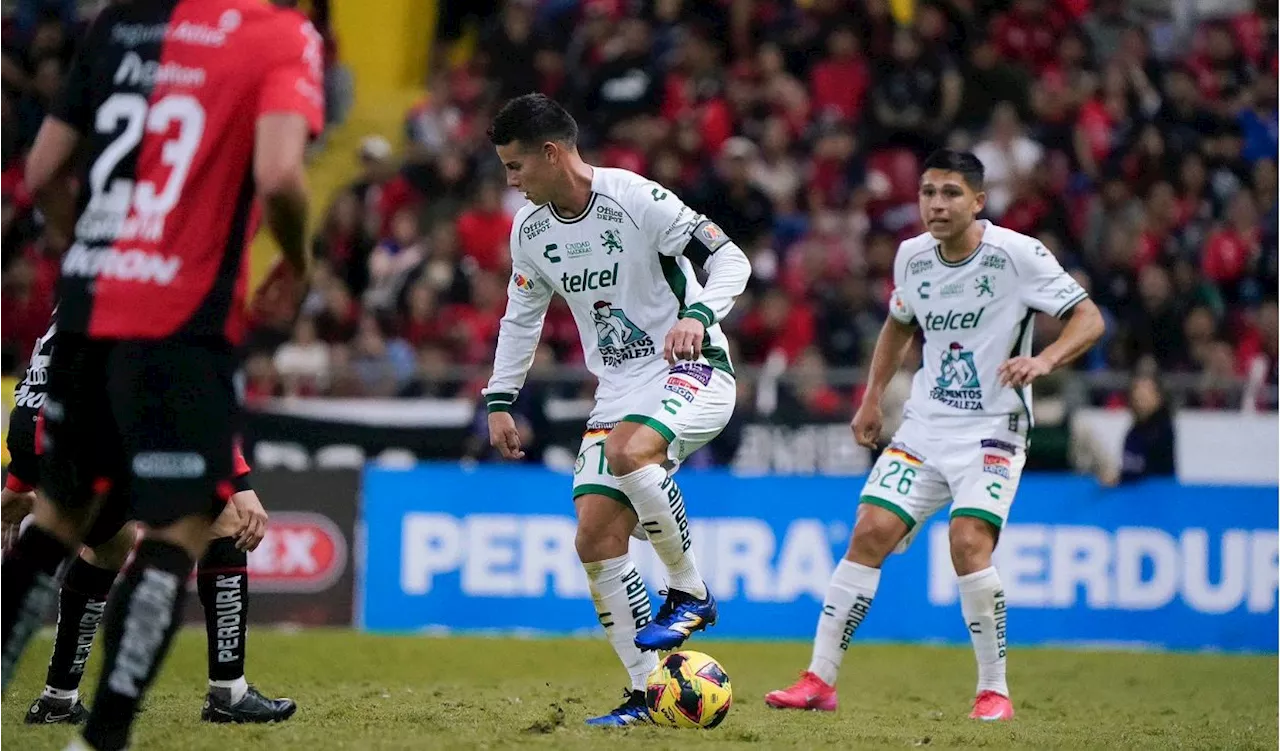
(675, 230)
(1046, 287)
(891, 345)
(290, 110)
(528, 296)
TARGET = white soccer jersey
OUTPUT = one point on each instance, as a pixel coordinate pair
(975, 315)
(620, 265)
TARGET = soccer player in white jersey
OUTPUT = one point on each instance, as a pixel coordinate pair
(972, 288)
(619, 249)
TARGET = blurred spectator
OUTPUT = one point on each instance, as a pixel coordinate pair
(1009, 157)
(303, 362)
(393, 260)
(1149, 444)
(915, 96)
(344, 241)
(742, 210)
(485, 229)
(382, 364)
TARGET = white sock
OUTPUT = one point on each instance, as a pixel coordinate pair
(238, 688)
(660, 505)
(623, 605)
(985, 614)
(61, 693)
(849, 596)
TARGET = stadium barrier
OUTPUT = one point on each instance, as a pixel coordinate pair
(1154, 565)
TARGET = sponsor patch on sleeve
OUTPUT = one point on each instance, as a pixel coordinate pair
(522, 282)
(711, 236)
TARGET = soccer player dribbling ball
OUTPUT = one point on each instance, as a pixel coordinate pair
(972, 289)
(619, 249)
(188, 112)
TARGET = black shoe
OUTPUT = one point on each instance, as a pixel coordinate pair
(47, 710)
(253, 707)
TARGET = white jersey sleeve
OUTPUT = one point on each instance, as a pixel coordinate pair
(1046, 287)
(677, 230)
(528, 295)
(900, 308)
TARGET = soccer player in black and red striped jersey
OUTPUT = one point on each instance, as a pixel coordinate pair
(187, 110)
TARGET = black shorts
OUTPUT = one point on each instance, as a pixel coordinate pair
(24, 465)
(155, 417)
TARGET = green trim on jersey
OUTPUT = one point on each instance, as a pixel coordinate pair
(573, 220)
(716, 356)
(1071, 304)
(700, 312)
(937, 249)
(897, 510)
(1024, 331)
(604, 490)
(978, 513)
(663, 430)
(499, 401)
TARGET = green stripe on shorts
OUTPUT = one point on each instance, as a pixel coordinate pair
(891, 506)
(978, 513)
(604, 490)
(663, 430)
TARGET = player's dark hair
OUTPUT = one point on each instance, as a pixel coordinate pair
(965, 163)
(533, 119)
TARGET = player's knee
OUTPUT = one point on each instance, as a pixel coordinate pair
(972, 542)
(874, 539)
(597, 545)
(628, 450)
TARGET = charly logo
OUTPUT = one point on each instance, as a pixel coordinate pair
(617, 337)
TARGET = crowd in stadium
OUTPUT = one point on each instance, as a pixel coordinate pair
(1140, 149)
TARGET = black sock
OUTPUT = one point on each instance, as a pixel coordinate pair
(28, 587)
(223, 582)
(81, 602)
(143, 613)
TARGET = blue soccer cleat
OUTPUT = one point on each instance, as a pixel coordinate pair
(676, 621)
(633, 711)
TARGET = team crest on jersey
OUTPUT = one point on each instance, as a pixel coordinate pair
(958, 385)
(985, 286)
(612, 241)
(617, 337)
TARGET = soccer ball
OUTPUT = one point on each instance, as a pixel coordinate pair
(688, 690)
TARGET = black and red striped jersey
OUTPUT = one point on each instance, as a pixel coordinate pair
(167, 94)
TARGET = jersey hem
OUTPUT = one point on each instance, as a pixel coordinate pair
(978, 513)
(604, 490)
(1071, 304)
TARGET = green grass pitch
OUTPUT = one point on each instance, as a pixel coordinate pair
(357, 691)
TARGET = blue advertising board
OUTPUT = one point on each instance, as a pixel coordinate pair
(1156, 564)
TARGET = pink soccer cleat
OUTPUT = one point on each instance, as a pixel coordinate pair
(990, 706)
(810, 692)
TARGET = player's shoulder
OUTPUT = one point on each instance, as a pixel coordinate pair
(266, 28)
(1016, 244)
(530, 221)
(913, 249)
(626, 187)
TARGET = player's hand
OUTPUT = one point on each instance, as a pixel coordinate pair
(867, 423)
(1020, 371)
(684, 341)
(253, 520)
(15, 506)
(504, 435)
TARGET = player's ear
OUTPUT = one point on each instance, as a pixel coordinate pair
(979, 202)
(551, 152)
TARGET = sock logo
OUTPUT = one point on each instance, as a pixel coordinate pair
(230, 610)
(1002, 621)
(89, 620)
(637, 598)
(857, 614)
(149, 614)
(675, 501)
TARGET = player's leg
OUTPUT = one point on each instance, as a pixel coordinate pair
(989, 471)
(689, 407)
(900, 493)
(82, 602)
(605, 521)
(74, 476)
(222, 581)
(174, 404)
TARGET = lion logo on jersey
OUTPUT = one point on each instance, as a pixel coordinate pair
(958, 370)
(612, 241)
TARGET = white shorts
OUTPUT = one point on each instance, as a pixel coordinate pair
(689, 406)
(977, 469)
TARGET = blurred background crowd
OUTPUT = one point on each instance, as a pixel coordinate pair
(1137, 139)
